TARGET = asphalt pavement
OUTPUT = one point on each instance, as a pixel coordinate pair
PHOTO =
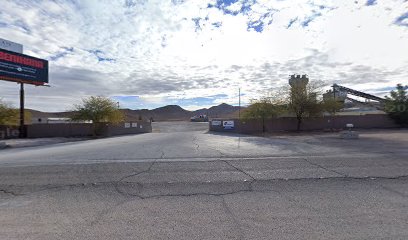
(182, 182)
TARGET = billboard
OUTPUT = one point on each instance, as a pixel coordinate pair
(11, 46)
(17, 67)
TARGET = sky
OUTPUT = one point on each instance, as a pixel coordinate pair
(198, 53)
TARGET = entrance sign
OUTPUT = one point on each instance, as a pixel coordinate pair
(228, 124)
(17, 67)
(216, 123)
(11, 46)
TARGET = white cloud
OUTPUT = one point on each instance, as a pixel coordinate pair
(161, 50)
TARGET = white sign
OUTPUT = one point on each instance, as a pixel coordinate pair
(216, 123)
(11, 46)
(134, 125)
(127, 125)
(228, 124)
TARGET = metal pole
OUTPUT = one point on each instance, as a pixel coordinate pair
(239, 109)
(22, 132)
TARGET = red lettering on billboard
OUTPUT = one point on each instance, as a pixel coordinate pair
(21, 60)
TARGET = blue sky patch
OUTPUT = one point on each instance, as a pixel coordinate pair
(177, 2)
(201, 101)
(217, 24)
(371, 2)
(291, 22)
(259, 24)
(224, 4)
(61, 54)
(197, 23)
(256, 25)
(401, 20)
(132, 102)
(308, 20)
(100, 56)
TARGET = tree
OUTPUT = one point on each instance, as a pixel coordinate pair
(262, 109)
(302, 101)
(397, 105)
(99, 110)
(332, 105)
(8, 115)
(11, 116)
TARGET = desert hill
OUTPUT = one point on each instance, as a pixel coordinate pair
(166, 113)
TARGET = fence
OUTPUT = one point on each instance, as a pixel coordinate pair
(9, 132)
(308, 124)
(76, 130)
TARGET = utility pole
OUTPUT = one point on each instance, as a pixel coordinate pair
(239, 103)
(22, 129)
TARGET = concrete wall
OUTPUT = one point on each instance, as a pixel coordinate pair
(308, 124)
(85, 129)
(9, 132)
(127, 128)
(59, 130)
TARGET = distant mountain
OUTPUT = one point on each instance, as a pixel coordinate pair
(169, 112)
(166, 113)
(39, 114)
(220, 111)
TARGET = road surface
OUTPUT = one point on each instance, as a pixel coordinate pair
(181, 182)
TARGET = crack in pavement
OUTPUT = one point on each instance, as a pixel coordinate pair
(138, 173)
(290, 199)
(327, 169)
(10, 192)
(191, 194)
(190, 158)
(238, 169)
(247, 189)
(162, 155)
(194, 141)
(233, 217)
(250, 189)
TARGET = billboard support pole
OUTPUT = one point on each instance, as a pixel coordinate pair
(239, 99)
(22, 132)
